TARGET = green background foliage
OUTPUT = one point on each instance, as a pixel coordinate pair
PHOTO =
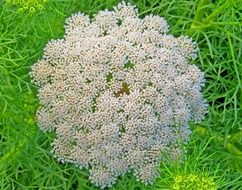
(215, 149)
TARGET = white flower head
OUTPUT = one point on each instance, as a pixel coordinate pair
(118, 92)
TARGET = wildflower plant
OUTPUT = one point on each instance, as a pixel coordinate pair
(118, 92)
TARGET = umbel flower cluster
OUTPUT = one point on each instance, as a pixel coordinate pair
(118, 92)
(28, 6)
(194, 182)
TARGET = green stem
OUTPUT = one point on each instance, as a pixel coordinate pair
(198, 15)
(200, 23)
(200, 10)
(209, 18)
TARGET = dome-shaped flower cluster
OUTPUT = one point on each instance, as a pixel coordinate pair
(118, 92)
